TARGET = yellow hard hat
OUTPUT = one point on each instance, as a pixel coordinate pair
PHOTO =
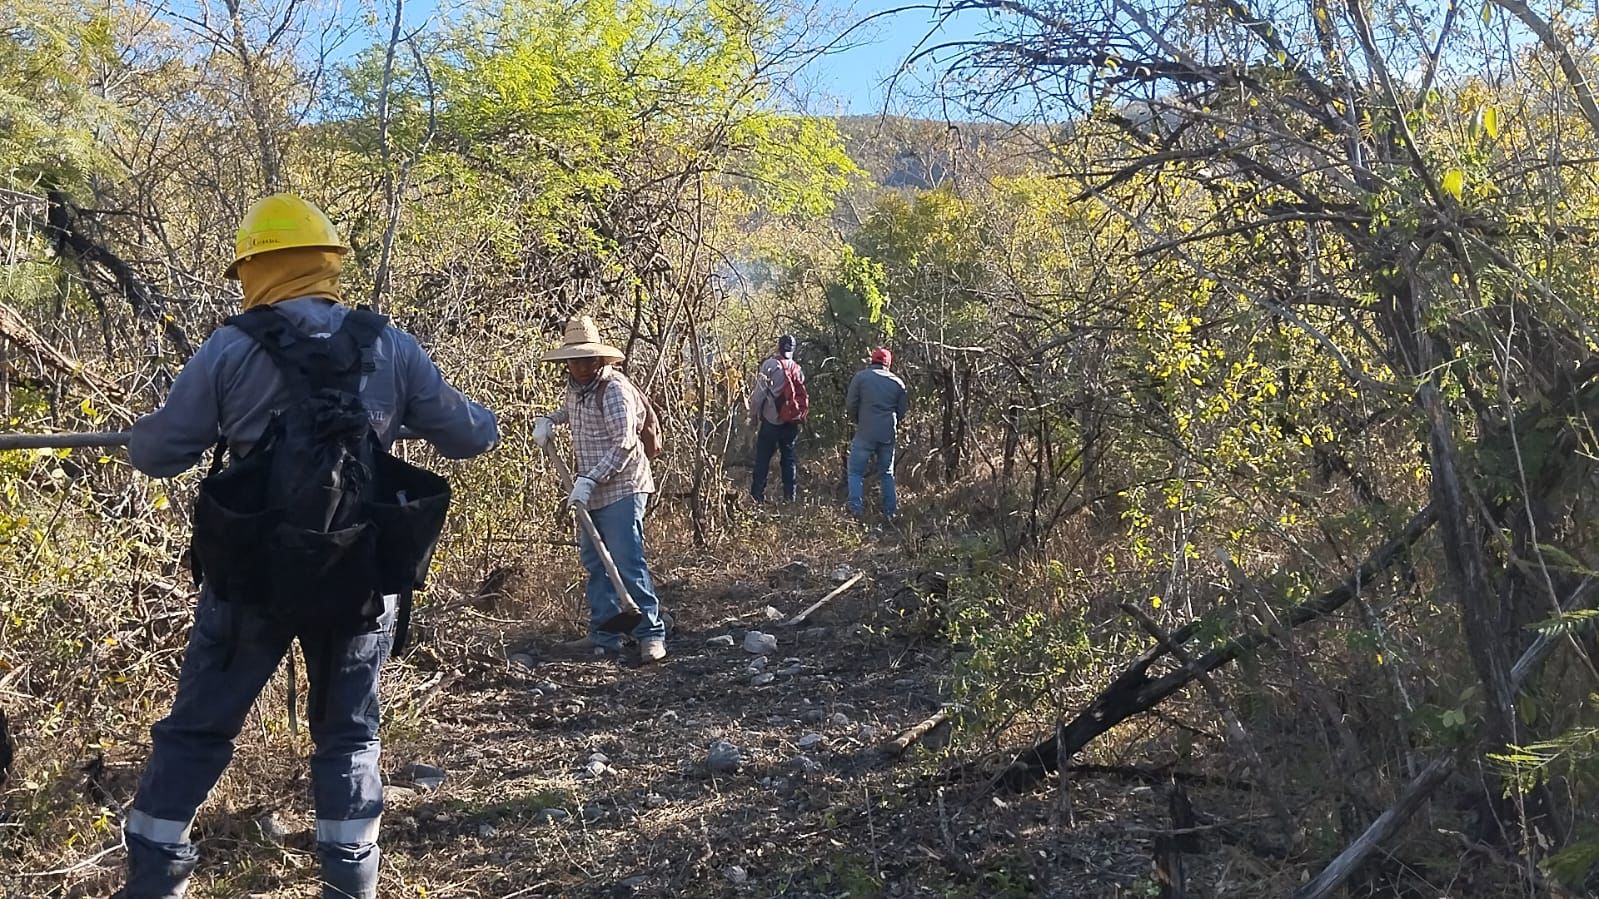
(280, 222)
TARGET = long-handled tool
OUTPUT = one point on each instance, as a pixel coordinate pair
(621, 623)
(624, 621)
(63, 441)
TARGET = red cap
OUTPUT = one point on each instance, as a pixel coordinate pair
(882, 355)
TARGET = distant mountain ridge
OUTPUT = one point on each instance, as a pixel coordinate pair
(900, 153)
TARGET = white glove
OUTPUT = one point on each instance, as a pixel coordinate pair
(582, 489)
(542, 427)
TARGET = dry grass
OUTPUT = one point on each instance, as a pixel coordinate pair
(660, 825)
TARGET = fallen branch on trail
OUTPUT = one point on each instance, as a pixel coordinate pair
(837, 591)
(896, 747)
(1134, 691)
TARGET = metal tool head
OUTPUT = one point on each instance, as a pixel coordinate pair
(621, 623)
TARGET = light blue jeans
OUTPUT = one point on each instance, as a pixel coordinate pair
(233, 652)
(861, 453)
(621, 527)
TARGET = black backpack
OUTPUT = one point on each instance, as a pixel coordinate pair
(318, 522)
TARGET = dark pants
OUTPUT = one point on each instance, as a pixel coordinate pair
(192, 745)
(775, 438)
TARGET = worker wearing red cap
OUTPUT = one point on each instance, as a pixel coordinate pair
(876, 401)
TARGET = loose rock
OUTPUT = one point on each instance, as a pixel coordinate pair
(762, 679)
(867, 733)
(807, 764)
(427, 777)
(655, 800)
(487, 832)
(759, 643)
(842, 573)
(523, 659)
(273, 830)
(758, 664)
(736, 875)
(551, 815)
(724, 757)
(839, 719)
(773, 614)
(791, 574)
(809, 741)
(723, 640)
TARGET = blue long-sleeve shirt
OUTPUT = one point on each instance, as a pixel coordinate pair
(231, 387)
(876, 401)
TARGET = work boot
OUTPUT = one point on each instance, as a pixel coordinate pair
(651, 649)
(579, 645)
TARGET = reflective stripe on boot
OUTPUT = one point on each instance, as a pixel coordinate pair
(349, 867)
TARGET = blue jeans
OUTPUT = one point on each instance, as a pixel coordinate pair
(774, 438)
(861, 454)
(194, 743)
(621, 527)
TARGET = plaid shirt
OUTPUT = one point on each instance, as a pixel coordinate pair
(605, 416)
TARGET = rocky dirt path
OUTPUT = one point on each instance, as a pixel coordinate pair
(725, 771)
(516, 770)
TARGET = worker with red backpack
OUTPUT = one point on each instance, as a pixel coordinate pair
(778, 404)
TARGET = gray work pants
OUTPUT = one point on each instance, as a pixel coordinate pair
(232, 653)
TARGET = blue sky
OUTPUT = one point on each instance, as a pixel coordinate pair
(855, 79)
(852, 79)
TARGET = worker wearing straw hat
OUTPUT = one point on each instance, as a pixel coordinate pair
(613, 482)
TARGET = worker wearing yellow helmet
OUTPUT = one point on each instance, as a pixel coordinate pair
(307, 395)
(287, 248)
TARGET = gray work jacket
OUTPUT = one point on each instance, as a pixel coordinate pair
(875, 402)
(231, 387)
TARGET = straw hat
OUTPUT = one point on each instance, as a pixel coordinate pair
(582, 341)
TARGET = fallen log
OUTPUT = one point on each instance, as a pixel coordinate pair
(1134, 691)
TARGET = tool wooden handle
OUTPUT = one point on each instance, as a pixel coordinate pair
(624, 598)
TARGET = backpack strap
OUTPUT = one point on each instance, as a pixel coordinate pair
(309, 364)
(402, 624)
(782, 365)
(278, 338)
(365, 326)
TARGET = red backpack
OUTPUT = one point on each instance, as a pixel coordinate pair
(793, 404)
